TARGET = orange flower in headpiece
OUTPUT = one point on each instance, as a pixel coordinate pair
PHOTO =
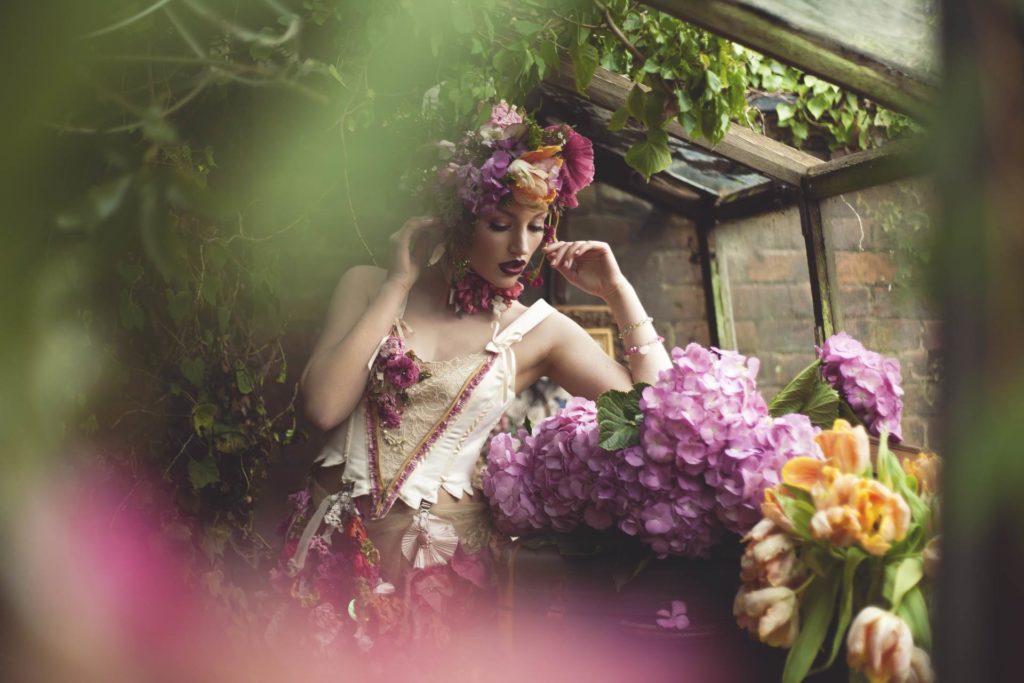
(534, 175)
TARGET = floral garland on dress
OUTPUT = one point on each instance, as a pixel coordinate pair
(395, 369)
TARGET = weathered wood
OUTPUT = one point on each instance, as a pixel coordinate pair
(752, 149)
(664, 191)
(709, 277)
(755, 25)
(821, 271)
(861, 170)
(774, 198)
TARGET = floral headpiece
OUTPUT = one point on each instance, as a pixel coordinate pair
(512, 156)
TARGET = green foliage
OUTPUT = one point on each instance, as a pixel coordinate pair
(619, 417)
(816, 608)
(210, 137)
(843, 119)
(809, 394)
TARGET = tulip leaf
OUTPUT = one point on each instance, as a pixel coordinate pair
(914, 611)
(908, 574)
(853, 560)
(807, 394)
(619, 417)
(816, 610)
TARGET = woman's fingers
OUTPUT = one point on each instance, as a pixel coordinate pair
(558, 256)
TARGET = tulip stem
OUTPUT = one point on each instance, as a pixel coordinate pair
(805, 584)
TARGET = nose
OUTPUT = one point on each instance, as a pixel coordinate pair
(519, 244)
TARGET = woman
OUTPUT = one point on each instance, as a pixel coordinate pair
(416, 365)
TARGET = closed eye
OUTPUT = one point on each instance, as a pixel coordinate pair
(499, 227)
(537, 228)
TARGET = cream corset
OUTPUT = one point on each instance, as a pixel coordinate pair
(443, 429)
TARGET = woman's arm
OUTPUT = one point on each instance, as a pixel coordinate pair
(363, 308)
(591, 266)
(365, 304)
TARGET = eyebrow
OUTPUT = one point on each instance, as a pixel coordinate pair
(513, 216)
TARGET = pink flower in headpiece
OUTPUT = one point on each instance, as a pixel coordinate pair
(505, 114)
(578, 170)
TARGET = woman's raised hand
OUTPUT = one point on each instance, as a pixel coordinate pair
(588, 265)
(410, 248)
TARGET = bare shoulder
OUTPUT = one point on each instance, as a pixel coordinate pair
(558, 329)
(361, 280)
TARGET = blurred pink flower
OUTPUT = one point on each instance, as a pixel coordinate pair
(675, 618)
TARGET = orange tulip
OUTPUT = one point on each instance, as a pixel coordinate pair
(805, 473)
(847, 448)
(879, 644)
(769, 558)
(771, 614)
(927, 469)
(853, 509)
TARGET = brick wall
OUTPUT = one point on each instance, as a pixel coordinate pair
(876, 238)
(656, 250)
(879, 239)
(766, 294)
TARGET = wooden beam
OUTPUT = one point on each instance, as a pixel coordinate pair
(861, 170)
(709, 277)
(826, 314)
(777, 197)
(662, 190)
(754, 150)
(824, 56)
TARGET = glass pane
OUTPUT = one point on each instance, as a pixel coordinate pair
(766, 294)
(879, 240)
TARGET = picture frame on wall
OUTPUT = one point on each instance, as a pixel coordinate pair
(599, 324)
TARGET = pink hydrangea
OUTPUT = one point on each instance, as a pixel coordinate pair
(509, 486)
(869, 382)
(561, 445)
(708, 450)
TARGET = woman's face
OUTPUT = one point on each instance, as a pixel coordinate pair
(503, 242)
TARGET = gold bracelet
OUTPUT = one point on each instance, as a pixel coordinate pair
(629, 328)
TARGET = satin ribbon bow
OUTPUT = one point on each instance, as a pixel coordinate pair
(504, 347)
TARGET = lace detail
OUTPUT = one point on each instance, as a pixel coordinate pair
(428, 402)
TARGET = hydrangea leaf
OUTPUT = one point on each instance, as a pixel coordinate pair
(619, 417)
(807, 394)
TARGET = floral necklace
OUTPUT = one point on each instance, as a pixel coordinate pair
(471, 294)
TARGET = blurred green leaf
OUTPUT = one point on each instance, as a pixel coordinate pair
(203, 415)
(203, 473)
(584, 61)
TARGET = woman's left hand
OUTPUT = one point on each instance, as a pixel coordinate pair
(588, 265)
